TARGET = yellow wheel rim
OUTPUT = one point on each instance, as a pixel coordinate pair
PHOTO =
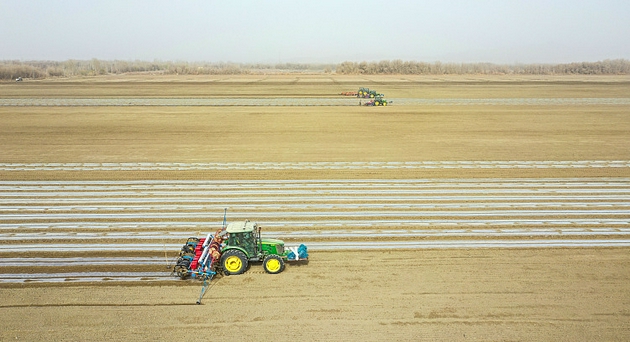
(384, 103)
(233, 263)
(273, 265)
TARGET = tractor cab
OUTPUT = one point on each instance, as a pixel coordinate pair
(244, 236)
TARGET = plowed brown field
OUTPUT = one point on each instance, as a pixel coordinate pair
(553, 294)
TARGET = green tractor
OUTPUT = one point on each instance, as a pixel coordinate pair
(230, 251)
(366, 93)
(377, 101)
(373, 94)
(244, 245)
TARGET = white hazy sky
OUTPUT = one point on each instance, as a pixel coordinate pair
(320, 31)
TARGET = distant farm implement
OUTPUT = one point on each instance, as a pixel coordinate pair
(231, 250)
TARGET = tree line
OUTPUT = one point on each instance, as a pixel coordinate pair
(42, 69)
(399, 67)
(70, 68)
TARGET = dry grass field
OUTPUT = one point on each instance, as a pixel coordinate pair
(494, 294)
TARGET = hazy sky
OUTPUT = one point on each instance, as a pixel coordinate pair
(501, 31)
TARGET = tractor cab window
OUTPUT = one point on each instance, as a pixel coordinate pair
(245, 240)
(234, 240)
(249, 243)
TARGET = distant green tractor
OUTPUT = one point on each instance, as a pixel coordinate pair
(377, 101)
(366, 93)
(373, 94)
(244, 245)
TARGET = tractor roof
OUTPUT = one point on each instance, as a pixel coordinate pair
(241, 227)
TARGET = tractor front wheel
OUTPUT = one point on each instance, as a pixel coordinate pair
(234, 262)
(273, 264)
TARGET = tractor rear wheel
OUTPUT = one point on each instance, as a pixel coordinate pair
(234, 262)
(273, 264)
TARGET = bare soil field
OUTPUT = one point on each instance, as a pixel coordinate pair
(434, 295)
(444, 294)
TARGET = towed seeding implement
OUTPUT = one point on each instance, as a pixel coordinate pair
(230, 251)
